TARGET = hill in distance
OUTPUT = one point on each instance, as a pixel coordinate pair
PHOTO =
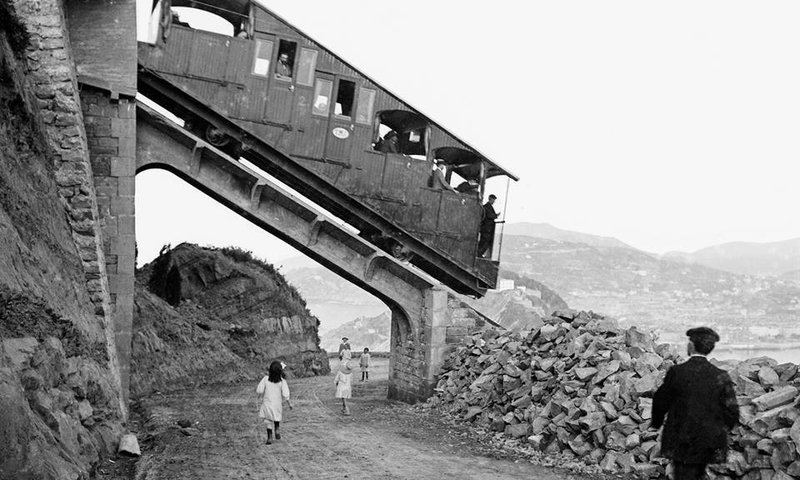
(660, 294)
(749, 258)
(547, 231)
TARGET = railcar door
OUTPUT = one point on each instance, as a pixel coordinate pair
(304, 91)
(309, 141)
(341, 127)
(253, 98)
(281, 90)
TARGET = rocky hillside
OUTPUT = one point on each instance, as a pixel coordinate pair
(59, 400)
(747, 258)
(658, 294)
(208, 316)
(371, 332)
(519, 308)
(318, 284)
(522, 307)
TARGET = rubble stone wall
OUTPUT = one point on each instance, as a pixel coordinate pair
(52, 79)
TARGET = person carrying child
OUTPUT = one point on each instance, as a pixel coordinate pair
(363, 362)
(273, 390)
(343, 381)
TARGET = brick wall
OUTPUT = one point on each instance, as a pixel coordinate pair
(111, 133)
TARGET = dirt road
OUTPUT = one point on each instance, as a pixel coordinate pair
(381, 440)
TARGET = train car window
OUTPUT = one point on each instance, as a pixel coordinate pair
(306, 66)
(284, 67)
(262, 57)
(408, 133)
(322, 97)
(345, 98)
(366, 102)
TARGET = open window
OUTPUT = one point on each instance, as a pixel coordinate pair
(465, 169)
(400, 131)
(345, 98)
(284, 65)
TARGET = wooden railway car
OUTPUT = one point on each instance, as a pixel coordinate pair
(282, 87)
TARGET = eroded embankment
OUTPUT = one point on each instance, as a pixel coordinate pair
(206, 316)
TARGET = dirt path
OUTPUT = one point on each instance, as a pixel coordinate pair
(381, 440)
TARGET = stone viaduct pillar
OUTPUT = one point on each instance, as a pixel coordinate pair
(102, 34)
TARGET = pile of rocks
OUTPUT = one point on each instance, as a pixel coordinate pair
(582, 387)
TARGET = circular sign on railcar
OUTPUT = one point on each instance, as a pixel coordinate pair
(340, 132)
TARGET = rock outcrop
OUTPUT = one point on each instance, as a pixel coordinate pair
(581, 387)
(217, 316)
(521, 307)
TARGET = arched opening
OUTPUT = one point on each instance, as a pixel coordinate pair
(224, 17)
(399, 131)
(190, 215)
(198, 19)
(465, 169)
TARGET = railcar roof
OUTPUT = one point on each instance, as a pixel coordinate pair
(233, 10)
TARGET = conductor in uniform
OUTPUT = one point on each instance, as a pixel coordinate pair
(700, 406)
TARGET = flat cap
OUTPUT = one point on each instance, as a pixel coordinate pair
(702, 332)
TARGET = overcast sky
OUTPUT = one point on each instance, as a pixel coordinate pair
(669, 125)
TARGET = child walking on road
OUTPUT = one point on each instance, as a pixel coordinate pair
(273, 390)
(364, 364)
(343, 381)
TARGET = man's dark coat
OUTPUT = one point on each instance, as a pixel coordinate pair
(700, 405)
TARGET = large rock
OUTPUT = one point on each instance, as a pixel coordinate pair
(781, 396)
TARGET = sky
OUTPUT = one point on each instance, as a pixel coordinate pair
(668, 125)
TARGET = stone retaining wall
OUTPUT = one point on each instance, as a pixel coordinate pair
(53, 83)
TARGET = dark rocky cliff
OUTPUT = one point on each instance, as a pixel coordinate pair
(59, 400)
(208, 316)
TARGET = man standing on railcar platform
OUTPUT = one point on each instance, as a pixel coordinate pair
(486, 237)
(700, 405)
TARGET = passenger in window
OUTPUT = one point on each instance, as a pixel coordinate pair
(438, 180)
(390, 143)
(283, 69)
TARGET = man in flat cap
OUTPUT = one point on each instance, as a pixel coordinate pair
(345, 345)
(700, 405)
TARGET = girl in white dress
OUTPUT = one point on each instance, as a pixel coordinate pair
(343, 381)
(273, 390)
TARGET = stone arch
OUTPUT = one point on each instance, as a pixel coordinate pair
(408, 293)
